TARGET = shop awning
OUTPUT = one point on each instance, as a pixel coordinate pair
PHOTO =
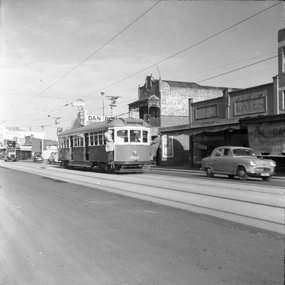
(191, 130)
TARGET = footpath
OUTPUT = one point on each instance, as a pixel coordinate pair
(186, 168)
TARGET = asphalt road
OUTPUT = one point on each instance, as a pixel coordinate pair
(53, 232)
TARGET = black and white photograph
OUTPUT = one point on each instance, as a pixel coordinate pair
(142, 142)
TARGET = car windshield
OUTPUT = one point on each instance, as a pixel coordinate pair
(243, 152)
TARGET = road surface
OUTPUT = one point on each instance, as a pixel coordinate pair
(54, 232)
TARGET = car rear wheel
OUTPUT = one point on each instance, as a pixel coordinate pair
(241, 173)
(209, 172)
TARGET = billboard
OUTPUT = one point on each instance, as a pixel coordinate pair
(267, 138)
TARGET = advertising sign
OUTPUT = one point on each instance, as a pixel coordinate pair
(267, 138)
(94, 119)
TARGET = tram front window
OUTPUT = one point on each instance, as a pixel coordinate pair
(122, 136)
(135, 136)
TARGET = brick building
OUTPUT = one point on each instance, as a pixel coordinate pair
(164, 103)
(253, 117)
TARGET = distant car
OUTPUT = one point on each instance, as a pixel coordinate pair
(237, 161)
(53, 158)
(37, 157)
(11, 156)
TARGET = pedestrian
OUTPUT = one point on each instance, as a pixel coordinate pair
(109, 147)
(45, 157)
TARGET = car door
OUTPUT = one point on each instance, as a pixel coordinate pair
(217, 159)
(227, 164)
(223, 162)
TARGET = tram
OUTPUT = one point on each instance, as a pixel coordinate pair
(86, 146)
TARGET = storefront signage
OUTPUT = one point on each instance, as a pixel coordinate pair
(206, 112)
(267, 138)
(250, 106)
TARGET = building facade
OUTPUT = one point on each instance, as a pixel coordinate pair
(27, 142)
(253, 117)
(164, 103)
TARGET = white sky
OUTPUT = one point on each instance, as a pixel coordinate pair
(43, 43)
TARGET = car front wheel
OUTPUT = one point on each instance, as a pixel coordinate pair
(241, 173)
(209, 172)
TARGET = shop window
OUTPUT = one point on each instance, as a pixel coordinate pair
(283, 100)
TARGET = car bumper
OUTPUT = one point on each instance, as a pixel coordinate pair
(260, 172)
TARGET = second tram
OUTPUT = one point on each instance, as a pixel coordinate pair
(85, 146)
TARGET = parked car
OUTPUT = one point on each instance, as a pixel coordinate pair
(10, 156)
(37, 157)
(237, 161)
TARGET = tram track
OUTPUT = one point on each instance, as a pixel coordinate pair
(223, 201)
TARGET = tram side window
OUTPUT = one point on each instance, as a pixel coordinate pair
(122, 136)
(76, 142)
(145, 136)
(91, 139)
(101, 140)
(135, 136)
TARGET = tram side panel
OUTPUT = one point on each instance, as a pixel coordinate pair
(97, 154)
(131, 154)
(64, 154)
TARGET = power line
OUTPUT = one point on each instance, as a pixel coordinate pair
(182, 51)
(237, 69)
(93, 53)
(165, 59)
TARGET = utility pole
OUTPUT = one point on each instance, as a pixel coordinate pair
(103, 107)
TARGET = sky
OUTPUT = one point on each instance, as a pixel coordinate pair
(54, 52)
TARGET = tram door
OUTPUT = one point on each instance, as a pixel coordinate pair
(71, 147)
(86, 150)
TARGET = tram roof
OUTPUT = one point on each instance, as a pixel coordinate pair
(102, 125)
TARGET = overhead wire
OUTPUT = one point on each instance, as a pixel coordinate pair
(164, 59)
(240, 68)
(93, 53)
(182, 51)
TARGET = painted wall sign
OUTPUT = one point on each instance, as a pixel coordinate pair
(250, 106)
(173, 104)
(267, 137)
(206, 112)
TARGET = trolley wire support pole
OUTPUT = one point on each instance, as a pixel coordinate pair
(103, 104)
